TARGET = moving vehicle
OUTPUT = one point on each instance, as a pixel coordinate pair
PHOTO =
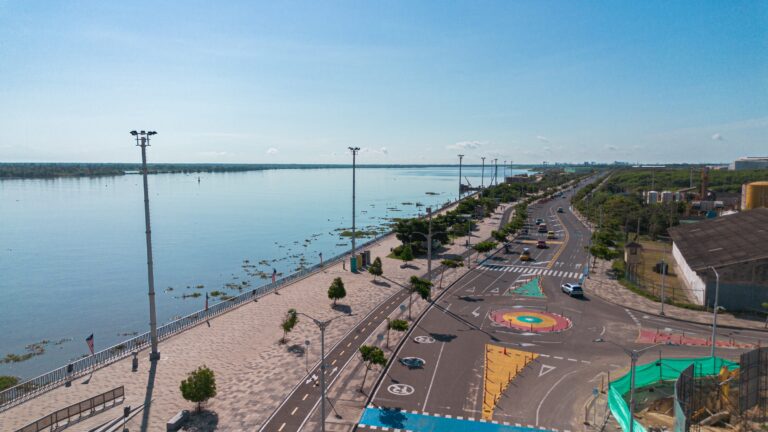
(541, 244)
(573, 290)
(525, 255)
(543, 228)
(539, 221)
(550, 235)
(559, 209)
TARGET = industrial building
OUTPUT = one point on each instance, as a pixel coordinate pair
(754, 195)
(736, 246)
(746, 163)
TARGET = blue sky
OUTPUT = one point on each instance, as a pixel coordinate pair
(409, 82)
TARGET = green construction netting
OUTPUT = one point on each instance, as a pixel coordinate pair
(667, 369)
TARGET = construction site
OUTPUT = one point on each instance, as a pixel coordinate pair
(705, 394)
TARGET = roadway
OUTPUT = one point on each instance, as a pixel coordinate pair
(549, 392)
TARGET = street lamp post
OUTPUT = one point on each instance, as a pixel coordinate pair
(663, 270)
(322, 325)
(428, 236)
(495, 172)
(482, 174)
(461, 156)
(714, 311)
(634, 355)
(142, 140)
(354, 151)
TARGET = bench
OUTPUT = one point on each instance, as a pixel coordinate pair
(177, 421)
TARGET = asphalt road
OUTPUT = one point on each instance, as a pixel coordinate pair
(551, 391)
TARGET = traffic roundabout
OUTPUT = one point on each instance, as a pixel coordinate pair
(530, 320)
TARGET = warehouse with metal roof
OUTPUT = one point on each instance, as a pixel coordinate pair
(735, 247)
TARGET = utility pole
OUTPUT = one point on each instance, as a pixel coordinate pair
(495, 172)
(354, 151)
(461, 156)
(482, 174)
(504, 167)
(714, 310)
(142, 140)
(663, 270)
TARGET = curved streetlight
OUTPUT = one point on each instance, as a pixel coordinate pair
(323, 325)
(428, 236)
(142, 140)
(461, 156)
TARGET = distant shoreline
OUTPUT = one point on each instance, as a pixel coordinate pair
(49, 170)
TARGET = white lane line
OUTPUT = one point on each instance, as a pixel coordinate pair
(281, 427)
(437, 363)
(550, 391)
(294, 410)
(305, 396)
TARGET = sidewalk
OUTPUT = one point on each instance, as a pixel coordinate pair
(612, 291)
(254, 373)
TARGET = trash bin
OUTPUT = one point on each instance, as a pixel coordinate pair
(360, 260)
(367, 257)
(353, 264)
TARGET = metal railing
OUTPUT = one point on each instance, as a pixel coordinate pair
(53, 420)
(52, 379)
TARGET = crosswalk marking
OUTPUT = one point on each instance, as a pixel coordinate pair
(532, 271)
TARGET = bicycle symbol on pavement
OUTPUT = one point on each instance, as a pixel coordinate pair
(400, 389)
(424, 339)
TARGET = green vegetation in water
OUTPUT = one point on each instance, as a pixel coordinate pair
(359, 234)
(201, 286)
(35, 349)
(193, 295)
(432, 193)
(216, 293)
(226, 297)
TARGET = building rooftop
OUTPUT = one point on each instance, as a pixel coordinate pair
(725, 240)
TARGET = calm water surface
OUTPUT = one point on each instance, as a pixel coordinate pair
(73, 258)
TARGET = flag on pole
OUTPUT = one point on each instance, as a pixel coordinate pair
(89, 341)
(274, 275)
(206, 301)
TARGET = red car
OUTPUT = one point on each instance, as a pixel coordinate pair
(541, 244)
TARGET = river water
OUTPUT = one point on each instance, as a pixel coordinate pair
(73, 257)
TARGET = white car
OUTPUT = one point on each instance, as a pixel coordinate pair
(573, 290)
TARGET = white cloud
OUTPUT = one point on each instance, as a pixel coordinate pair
(717, 137)
(466, 145)
(383, 150)
(611, 147)
(272, 151)
(542, 139)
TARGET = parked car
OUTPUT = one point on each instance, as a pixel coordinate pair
(550, 235)
(541, 244)
(543, 228)
(539, 221)
(573, 290)
(559, 209)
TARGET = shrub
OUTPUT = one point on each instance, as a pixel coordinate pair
(199, 386)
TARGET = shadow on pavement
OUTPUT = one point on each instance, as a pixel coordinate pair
(148, 396)
(392, 418)
(297, 350)
(442, 337)
(203, 421)
(346, 309)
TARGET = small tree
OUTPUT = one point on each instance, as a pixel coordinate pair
(449, 263)
(420, 286)
(199, 386)
(407, 254)
(7, 381)
(396, 325)
(336, 290)
(375, 268)
(371, 356)
(500, 236)
(485, 246)
(289, 322)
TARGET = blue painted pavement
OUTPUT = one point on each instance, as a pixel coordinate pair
(396, 419)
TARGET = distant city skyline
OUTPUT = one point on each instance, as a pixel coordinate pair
(408, 82)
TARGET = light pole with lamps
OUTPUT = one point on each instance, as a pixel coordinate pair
(428, 236)
(354, 151)
(634, 355)
(461, 156)
(323, 325)
(714, 310)
(482, 173)
(142, 140)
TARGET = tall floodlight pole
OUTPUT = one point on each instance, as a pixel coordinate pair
(460, 158)
(495, 172)
(504, 167)
(714, 311)
(142, 140)
(634, 356)
(354, 151)
(482, 174)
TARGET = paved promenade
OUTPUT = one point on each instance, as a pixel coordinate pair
(254, 373)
